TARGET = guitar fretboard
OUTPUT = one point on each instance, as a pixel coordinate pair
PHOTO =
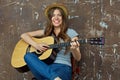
(59, 45)
(66, 44)
(92, 41)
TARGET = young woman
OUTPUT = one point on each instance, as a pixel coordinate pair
(60, 69)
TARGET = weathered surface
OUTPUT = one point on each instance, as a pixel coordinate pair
(91, 18)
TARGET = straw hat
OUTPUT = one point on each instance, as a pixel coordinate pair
(56, 5)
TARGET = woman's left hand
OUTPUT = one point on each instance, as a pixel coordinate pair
(74, 48)
(74, 45)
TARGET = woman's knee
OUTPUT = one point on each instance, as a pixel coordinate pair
(27, 55)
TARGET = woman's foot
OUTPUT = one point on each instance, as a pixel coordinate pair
(57, 78)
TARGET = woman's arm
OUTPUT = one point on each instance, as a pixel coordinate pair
(27, 37)
(75, 49)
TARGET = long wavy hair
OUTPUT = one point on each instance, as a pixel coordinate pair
(49, 30)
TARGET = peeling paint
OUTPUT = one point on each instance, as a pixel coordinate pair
(72, 17)
(111, 2)
(103, 24)
(21, 9)
(117, 19)
(36, 14)
(76, 1)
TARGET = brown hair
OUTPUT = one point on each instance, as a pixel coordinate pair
(49, 27)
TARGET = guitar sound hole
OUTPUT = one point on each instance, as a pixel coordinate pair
(38, 51)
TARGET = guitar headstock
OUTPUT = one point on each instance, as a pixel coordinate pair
(97, 41)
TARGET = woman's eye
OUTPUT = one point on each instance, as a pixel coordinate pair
(56, 15)
(59, 15)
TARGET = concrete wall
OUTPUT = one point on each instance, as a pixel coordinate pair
(91, 18)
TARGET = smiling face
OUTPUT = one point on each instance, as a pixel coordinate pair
(56, 18)
(56, 21)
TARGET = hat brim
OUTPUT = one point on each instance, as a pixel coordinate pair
(56, 5)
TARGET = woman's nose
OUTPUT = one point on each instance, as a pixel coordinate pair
(56, 17)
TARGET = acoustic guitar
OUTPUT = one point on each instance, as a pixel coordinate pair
(48, 56)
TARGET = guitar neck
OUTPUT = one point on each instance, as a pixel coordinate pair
(65, 44)
(92, 41)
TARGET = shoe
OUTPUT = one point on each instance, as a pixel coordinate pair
(57, 78)
(34, 78)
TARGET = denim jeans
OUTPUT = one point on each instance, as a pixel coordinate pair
(42, 71)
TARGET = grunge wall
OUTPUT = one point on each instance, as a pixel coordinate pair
(91, 18)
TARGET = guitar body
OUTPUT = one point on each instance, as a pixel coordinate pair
(17, 60)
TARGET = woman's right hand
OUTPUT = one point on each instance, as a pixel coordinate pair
(41, 47)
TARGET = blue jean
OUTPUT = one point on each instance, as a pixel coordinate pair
(42, 71)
